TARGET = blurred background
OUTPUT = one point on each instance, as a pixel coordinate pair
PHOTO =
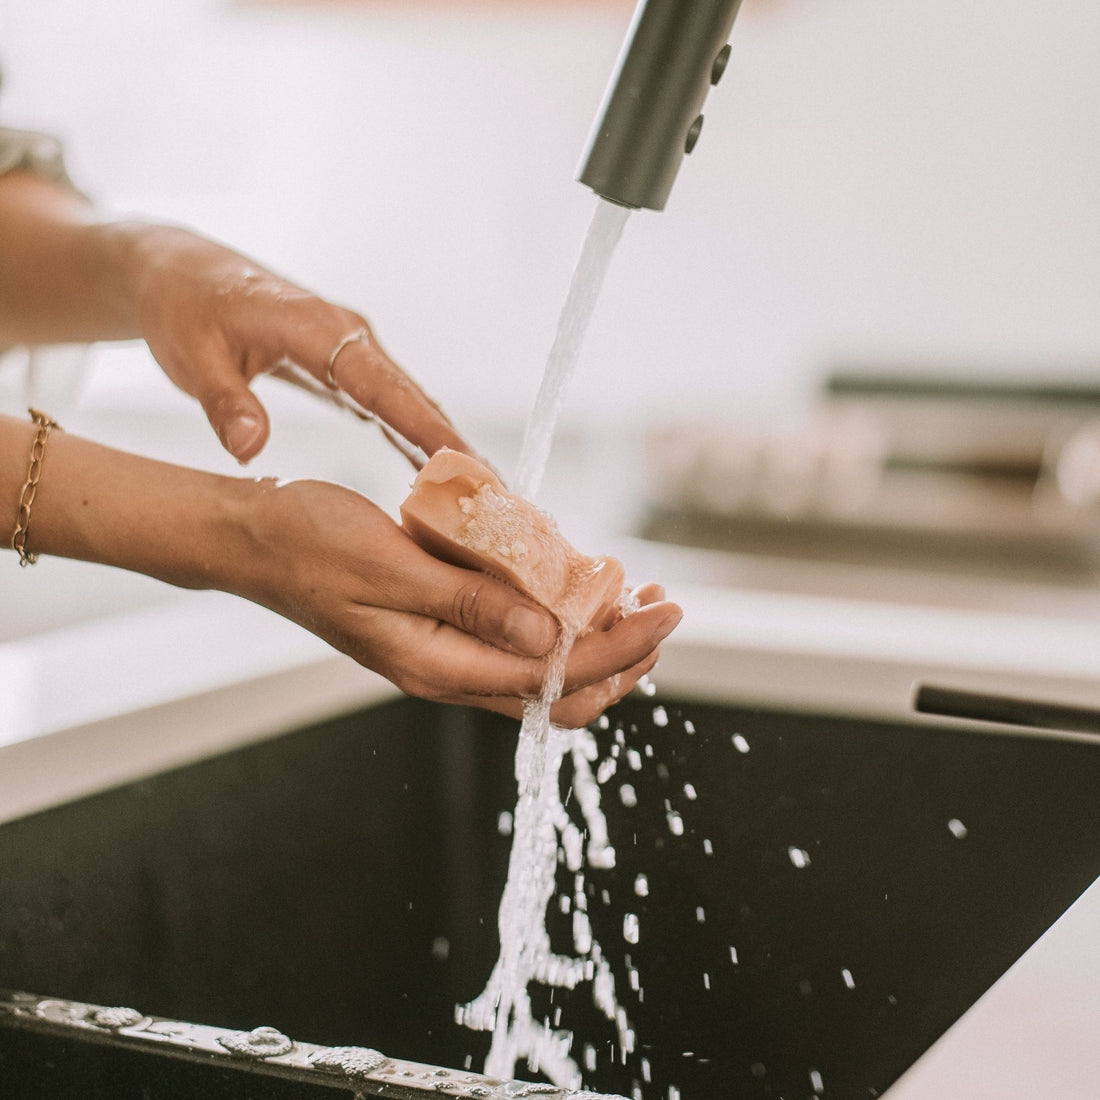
(894, 186)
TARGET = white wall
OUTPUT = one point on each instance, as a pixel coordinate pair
(893, 182)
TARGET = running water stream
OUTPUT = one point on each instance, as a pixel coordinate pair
(542, 826)
(584, 291)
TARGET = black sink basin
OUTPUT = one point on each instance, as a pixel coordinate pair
(840, 893)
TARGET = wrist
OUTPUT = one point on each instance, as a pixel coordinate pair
(182, 526)
(131, 253)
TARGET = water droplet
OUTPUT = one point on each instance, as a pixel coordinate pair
(733, 955)
(634, 759)
(849, 981)
(660, 716)
(739, 743)
(582, 932)
(603, 722)
(590, 1057)
(816, 1083)
(675, 823)
(441, 948)
(708, 848)
(631, 931)
(354, 1062)
(799, 857)
(504, 823)
(606, 770)
(700, 915)
(689, 792)
(706, 980)
(641, 886)
(627, 796)
(647, 1076)
(689, 726)
(115, 1018)
(958, 830)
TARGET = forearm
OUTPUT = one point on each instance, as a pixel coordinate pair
(94, 503)
(64, 275)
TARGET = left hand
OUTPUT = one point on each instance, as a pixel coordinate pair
(328, 559)
(214, 320)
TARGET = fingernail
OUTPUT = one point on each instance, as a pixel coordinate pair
(529, 632)
(241, 434)
(670, 620)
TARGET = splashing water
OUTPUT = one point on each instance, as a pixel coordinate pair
(603, 235)
(541, 825)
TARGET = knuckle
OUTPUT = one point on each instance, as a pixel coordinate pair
(466, 604)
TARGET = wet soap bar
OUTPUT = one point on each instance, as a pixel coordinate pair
(459, 511)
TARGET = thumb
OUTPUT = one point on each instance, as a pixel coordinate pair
(238, 418)
(500, 615)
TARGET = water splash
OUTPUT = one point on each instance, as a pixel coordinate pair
(541, 825)
(604, 232)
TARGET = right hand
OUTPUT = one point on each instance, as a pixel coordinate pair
(214, 320)
(333, 562)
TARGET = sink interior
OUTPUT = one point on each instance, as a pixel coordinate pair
(840, 893)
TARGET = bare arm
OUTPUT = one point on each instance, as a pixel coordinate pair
(212, 318)
(326, 558)
(63, 275)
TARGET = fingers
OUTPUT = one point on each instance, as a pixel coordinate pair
(440, 662)
(579, 709)
(234, 411)
(648, 593)
(363, 371)
(214, 320)
(586, 705)
(367, 374)
(607, 652)
(478, 605)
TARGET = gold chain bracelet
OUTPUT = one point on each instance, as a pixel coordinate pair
(30, 486)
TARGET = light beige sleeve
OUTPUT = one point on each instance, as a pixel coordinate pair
(29, 151)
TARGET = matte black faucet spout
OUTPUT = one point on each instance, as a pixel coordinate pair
(674, 51)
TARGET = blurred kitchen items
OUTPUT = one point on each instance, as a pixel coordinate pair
(998, 477)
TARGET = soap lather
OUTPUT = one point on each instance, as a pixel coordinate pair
(460, 512)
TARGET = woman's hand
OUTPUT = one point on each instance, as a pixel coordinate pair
(333, 562)
(214, 320)
(326, 558)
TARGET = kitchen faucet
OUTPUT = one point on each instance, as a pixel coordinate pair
(674, 51)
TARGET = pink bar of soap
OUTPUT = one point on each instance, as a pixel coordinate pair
(460, 512)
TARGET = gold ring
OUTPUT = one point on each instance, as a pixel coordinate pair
(358, 336)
